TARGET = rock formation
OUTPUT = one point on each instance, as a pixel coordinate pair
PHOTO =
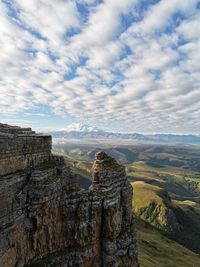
(155, 207)
(19, 148)
(46, 219)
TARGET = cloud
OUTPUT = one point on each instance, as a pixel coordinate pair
(120, 64)
(49, 19)
(160, 15)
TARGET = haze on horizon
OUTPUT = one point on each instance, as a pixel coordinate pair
(131, 65)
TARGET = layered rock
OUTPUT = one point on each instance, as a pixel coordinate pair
(46, 219)
(22, 148)
(118, 228)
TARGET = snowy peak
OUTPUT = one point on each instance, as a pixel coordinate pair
(79, 127)
(79, 131)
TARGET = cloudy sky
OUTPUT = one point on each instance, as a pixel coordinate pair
(123, 65)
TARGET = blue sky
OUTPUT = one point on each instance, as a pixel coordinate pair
(131, 65)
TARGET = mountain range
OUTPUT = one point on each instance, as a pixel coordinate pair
(79, 127)
(89, 134)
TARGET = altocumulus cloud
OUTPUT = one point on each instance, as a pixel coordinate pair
(131, 65)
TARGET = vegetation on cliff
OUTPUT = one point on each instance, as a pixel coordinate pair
(153, 204)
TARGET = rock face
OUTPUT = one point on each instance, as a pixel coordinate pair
(46, 219)
(19, 148)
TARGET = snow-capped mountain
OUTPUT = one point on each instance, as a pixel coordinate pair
(89, 134)
(79, 127)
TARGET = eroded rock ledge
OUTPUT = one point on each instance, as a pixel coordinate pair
(46, 219)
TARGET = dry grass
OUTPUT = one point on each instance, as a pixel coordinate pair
(144, 194)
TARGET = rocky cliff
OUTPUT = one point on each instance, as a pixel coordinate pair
(155, 207)
(21, 148)
(46, 219)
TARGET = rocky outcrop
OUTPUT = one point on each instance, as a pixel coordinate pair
(22, 148)
(46, 219)
(153, 205)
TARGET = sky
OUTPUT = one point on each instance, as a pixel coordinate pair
(120, 65)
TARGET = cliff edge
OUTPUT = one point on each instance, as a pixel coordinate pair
(46, 219)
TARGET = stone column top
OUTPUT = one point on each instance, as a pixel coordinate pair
(107, 173)
(105, 163)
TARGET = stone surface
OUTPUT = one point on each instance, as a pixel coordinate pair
(22, 148)
(46, 219)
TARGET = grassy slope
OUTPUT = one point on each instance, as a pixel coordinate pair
(150, 193)
(155, 250)
(181, 184)
(188, 213)
(153, 205)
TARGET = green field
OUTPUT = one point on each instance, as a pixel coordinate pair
(155, 249)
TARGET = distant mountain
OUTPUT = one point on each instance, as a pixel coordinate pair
(79, 127)
(90, 134)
